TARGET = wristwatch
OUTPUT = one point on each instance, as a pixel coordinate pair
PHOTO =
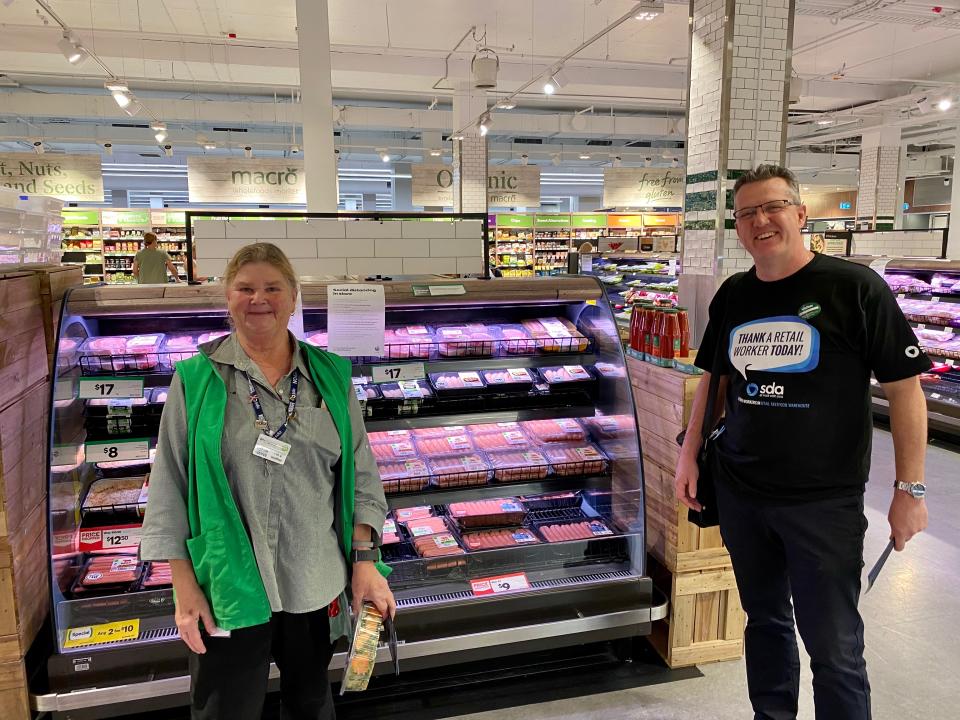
(372, 555)
(916, 490)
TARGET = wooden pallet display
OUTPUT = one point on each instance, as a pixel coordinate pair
(706, 621)
(53, 283)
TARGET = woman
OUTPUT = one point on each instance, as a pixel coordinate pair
(265, 498)
(151, 264)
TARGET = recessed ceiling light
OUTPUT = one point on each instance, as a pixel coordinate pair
(584, 156)
(945, 104)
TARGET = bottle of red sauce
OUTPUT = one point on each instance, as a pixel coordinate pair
(636, 334)
(684, 321)
(669, 337)
(655, 354)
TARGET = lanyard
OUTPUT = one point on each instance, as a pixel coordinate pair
(261, 420)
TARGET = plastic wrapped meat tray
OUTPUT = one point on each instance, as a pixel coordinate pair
(576, 459)
(584, 530)
(442, 446)
(157, 575)
(516, 340)
(487, 428)
(389, 436)
(505, 440)
(487, 513)
(439, 545)
(609, 427)
(159, 395)
(318, 339)
(519, 466)
(408, 475)
(113, 492)
(408, 342)
(67, 350)
(179, 346)
(459, 470)
(390, 534)
(439, 432)
(426, 526)
(562, 376)
(418, 512)
(106, 574)
(510, 380)
(552, 501)
(498, 538)
(117, 354)
(452, 384)
(411, 390)
(556, 335)
(211, 335)
(609, 370)
(474, 340)
(554, 430)
(104, 407)
(394, 451)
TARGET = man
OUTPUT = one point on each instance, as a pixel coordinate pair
(800, 334)
(151, 264)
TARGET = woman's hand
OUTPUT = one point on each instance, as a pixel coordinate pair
(192, 606)
(369, 584)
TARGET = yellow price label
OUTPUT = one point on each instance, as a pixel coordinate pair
(591, 302)
(96, 634)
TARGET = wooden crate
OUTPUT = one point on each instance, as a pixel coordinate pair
(14, 696)
(24, 591)
(23, 456)
(53, 283)
(23, 348)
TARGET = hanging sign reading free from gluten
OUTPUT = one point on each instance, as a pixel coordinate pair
(643, 187)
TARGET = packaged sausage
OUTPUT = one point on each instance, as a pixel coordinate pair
(560, 375)
(487, 428)
(518, 466)
(449, 445)
(408, 475)
(509, 380)
(110, 571)
(498, 538)
(487, 513)
(552, 501)
(402, 515)
(575, 459)
(459, 470)
(609, 427)
(399, 450)
(157, 575)
(556, 334)
(436, 432)
(389, 436)
(437, 545)
(390, 534)
(505, 440)
(554, 430)
(426, 526)
(585, 530)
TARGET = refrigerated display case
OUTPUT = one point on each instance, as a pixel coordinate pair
(510, 459)
(928, 292)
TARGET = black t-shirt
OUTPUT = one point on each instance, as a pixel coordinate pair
(799, 356)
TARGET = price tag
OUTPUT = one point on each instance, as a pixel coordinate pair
(64, 389)
(672, 267)
(935, 396)
(500, 584)
(934, 299)
(110, 538)
(111, 387)
(96, 634)
(395, 373)
(66, 455)
(138, 449)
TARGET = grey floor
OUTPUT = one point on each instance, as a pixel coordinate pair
(912, 652)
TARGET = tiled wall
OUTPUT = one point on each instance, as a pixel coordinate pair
(879, 192)
(337, 247)
(918, 243)
(470, 174)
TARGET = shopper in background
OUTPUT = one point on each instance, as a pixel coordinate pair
(801, 333)
(151, 264)
(265, 498)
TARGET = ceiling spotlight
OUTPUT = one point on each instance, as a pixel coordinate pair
(436, 153)
(108, 148)
(584, 156)
(650, 10)
(524, 159)
(457, 136)
(944, 104)
(558, 78)
(160, 130)
(168, 150)
(617, 161)
(72, 50)
(294, 149)
(384, 155)
(38, 147)
(824, 121)
(505, 105)
(484, 125)
(555, 158)
(248, 152)
(209, 145)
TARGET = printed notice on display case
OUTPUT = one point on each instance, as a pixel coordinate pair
(111, 387)
(355, 319)
(136, 449)
(96, 634)
(500, 584)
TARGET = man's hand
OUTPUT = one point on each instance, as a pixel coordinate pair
(191, 606)
(685, 480)
(369, 584)
(907, 516)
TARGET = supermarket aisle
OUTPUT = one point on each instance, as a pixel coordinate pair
(910, 622)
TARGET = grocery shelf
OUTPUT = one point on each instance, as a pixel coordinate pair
(498, 363)
(444, 496)
(473, 418)
(937, 297)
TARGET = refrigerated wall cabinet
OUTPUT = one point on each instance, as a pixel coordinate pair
(536, 537)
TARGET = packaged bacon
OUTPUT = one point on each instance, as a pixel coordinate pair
(554, 430)
(408, 475)
(487, 513)
(518, 466)
(459, 470)
(575, 459)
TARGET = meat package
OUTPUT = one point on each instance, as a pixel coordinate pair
(556, 335)
(389, 436)
(399, 450)
(179, 346)
(487, 513)
(926, 311)
(390, 535)
(516, 340)
(114, 492)
(609, 427)
(426, 526)
(449, 445)
(609, 370)
(439, 545)
(408, 342)
(504, 440)
(211, 335)
(318, 339)
(510, 380)
(116, 354)
(459, 470)
(467, 382)
(554, 430)
(577, 459)
(900, 283)
(487, 428)
(552, 501)
(943, 343)
(405, 390)
(111, 571)
(159, 395)
(402, 515)
(499, 538)
(585, 530)
(562, 375)
(473, 340)
(363, 650)
(157, 575)
(620, 449)
(438, 432)
(408, 475)
(517, 466)
(67, 350)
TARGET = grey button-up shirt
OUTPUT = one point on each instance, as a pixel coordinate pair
(288, 509)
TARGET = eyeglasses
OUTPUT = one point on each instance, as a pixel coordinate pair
(771, 207)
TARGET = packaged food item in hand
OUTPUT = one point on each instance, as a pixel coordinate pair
(363, 650)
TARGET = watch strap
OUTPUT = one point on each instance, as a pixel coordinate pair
(371, 555)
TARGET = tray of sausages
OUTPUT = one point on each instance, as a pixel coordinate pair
(575, 459)
(568, 378)
(107, 575)
(407, 475)
(496, 538)
(390, 436)
(394, 451)
(465, 469)
(509, 380)
(552, 501)
(577, 530)
(492, 512)
(609, 427)
(157, 576)
(405, 391)
(503, 440)
(433, 447)
(562, 430)
(519, 465)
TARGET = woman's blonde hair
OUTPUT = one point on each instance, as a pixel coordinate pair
(261, 252)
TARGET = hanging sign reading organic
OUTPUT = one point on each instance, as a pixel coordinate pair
(68, 177)
(507, 185)
(238, 180)
(643, 187)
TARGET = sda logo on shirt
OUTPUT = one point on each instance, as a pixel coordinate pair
(771, 390)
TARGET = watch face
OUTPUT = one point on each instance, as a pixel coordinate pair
(918, 490)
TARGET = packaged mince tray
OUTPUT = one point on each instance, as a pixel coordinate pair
(409, 475)
(179, 346)
(487, 513)
(518, 466)
(459, 470)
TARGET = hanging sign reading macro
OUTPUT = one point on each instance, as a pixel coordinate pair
(643, 187)
(68, 177)
(507, 185)
(237, 180)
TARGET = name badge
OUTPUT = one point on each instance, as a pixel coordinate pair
(271, 449)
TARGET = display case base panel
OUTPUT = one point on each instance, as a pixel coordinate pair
(436, 630)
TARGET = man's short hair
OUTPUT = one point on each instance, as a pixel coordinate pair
(149, 238)
(769, 172)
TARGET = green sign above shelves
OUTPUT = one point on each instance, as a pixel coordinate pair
(80, 217)
(553, 220)
(125, 217)
(589, 221)
(516, 221)
(169, 218)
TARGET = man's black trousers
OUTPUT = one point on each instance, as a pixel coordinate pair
(813, 553)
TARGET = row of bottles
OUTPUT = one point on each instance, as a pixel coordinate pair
(660, 334)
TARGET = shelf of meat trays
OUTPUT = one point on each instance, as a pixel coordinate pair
(479, 416)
